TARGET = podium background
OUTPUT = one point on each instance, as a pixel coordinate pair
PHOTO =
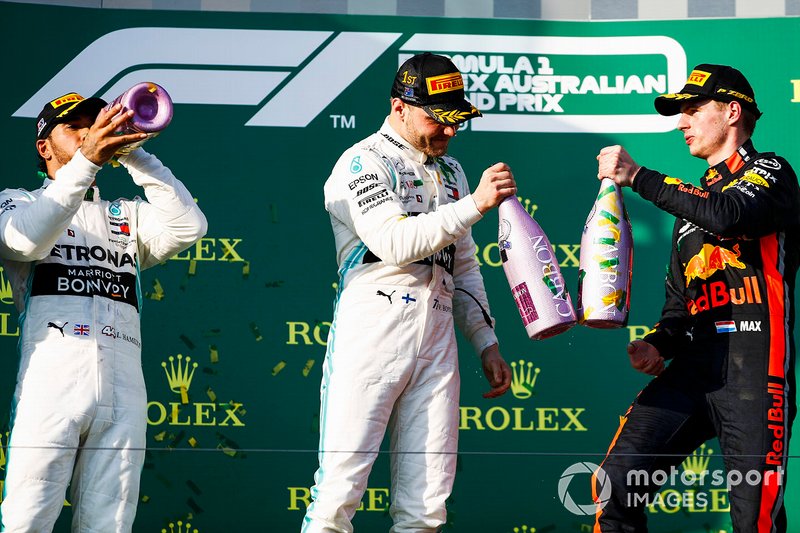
(251, 303)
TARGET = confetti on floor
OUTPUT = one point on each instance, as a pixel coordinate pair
(277, 368)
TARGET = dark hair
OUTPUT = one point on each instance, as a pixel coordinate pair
(748, 122)
(748, 117)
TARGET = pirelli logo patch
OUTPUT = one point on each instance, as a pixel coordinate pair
(71, 97)
(445, 83)
(698, 77)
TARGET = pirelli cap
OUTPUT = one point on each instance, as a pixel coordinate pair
(63, 109)
(433, 83)
(715, 82)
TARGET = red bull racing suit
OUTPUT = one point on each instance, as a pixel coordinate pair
(401, 222)
(727, 326)
(80, 407)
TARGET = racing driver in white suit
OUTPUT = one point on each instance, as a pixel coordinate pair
(73, 260)
(401, 213)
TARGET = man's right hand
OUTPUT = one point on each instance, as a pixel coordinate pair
(645, 358)
(101, 141)
(497, 183)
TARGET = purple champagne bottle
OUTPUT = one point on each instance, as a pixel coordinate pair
(532, 271)
(606, 262)
(152, 112)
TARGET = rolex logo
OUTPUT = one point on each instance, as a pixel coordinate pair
(179, 527)
(523, 379)
(697, 463)
(179, 376)
(5, 288)
(524, 529)
(530, 207)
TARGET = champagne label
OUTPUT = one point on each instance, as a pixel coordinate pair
(522, 297)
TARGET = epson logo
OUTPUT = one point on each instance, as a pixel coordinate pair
(362, 179)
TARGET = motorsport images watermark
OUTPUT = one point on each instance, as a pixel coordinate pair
(641, 485)
(602, 480)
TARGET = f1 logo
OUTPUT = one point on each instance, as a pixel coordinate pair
(296, 104)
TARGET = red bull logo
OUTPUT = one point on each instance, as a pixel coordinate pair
(718, 294)
(711, 259)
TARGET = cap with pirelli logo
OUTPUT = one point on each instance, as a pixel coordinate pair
(433, 83)
(63, 109)
(713, 82)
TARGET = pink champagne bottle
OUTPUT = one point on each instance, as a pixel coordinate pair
(532, 271)
(152, 112)
(606, 261)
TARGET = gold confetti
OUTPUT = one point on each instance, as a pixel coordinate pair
(160, 436)
(192, 442)
(226, 450)
(211, 395)
(192, 267)
(307, 368)
(255, 330)
(246, 269)
(277, 368)
(157, 287)
(213, 354)
(145, 498)
(184, 395)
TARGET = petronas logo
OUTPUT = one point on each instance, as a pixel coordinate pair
(5, 289)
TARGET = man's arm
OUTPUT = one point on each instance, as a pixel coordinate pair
(170, 221)
(31, 224)
(366, 201)
(471, 311)
(765, 200)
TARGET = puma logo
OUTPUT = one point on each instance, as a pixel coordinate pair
(56, 326)
(381, 293)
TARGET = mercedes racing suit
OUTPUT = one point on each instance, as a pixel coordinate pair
(401, 222)
(727, 326)
(80, 407)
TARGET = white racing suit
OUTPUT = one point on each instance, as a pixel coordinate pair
(79, 412)
(401, 221)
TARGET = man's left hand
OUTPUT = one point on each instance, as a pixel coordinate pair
(496, 370)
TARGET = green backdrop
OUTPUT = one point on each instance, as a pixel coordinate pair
(265, 103)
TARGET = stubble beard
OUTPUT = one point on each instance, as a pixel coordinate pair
(423, 143)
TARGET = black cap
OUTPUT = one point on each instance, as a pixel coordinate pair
(714, 82)
(63, 109)
(433, 83)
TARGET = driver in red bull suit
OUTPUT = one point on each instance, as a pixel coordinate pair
(726, 326)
